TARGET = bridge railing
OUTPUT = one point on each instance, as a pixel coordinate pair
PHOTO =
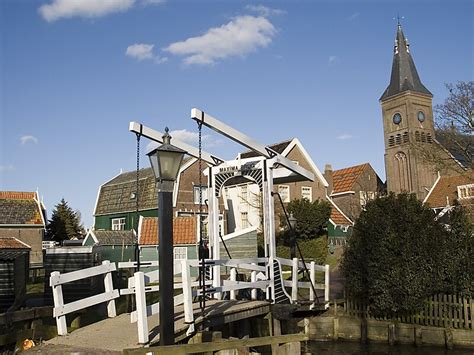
(61, 309)
(294, 284)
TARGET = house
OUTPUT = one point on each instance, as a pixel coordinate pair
(115, 245)
(186, 236)
(243, 201)
(447, 190)
(116, 203)
(350, 188)
(23, 216)
(14, 270)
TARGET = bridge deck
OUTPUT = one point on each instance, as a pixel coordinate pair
(118, 333)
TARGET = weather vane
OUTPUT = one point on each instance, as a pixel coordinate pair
(398, 18)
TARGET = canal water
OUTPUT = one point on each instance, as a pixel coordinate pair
(355, 348)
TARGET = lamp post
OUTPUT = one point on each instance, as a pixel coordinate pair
(166, 161)
(292, 220)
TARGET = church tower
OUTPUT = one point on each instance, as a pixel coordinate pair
(407, 123)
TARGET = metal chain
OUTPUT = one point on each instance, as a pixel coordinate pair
(137, 250)
(202, 269)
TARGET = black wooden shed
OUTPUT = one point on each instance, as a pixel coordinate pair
(14, 268)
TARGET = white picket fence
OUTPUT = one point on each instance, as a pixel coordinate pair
(144, 282)
(60, 309)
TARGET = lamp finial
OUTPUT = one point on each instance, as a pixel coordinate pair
(166, 136)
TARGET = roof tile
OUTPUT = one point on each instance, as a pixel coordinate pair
(12, 243)
(445, 192)
(344, 179)
(19, 208)
(184, 230)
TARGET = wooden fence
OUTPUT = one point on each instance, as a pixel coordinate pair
(448, 311)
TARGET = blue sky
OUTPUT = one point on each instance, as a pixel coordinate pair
(73, 76)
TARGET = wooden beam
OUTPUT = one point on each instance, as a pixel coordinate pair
(221, 345)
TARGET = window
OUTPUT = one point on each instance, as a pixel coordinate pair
(405, 137)
(284, 191)
(307, 193)
(196, 194)
(180, 253)
(244, 219)
(118, 224)
(466, 191)
(244, 196)
(366, 196)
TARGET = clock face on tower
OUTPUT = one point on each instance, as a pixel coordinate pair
(421, 116)
(397, 118)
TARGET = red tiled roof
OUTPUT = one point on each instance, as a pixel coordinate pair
(184, 231)
(12, 243)
(344, 179)
(338, 218)
(17, 195)
(446, 190)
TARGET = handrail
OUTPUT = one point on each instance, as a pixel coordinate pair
(61, 309)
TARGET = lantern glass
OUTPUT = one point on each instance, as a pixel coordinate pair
(166, 160)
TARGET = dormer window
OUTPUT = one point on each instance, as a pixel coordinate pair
(133, 196)
(466, 191)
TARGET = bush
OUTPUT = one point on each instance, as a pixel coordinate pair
(312, 250)
(312, 217)
(398, 255)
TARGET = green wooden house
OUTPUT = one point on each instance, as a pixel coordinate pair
(114, 246)
(115, 207)
(339, 226)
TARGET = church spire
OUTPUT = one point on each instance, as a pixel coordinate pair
(404, 75)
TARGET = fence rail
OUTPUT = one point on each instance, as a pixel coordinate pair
(448, 311)
(61, 309)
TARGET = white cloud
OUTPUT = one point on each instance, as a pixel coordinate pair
(6, 168)
(333, 60)
(264, 10)
(152, 2)
(344, 136)
(242, 35)
(26, 139)
(142, 51)
(354, 16)
(58, 9)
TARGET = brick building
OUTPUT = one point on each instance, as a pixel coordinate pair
(23, 216)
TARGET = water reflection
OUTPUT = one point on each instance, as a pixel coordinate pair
(355, 348)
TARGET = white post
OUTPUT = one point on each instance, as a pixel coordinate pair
(233, 278)
(253, 279)
(326, 286)
(187, 292)
(109, 287)
(312, 277)
(140, 300)
(294, 280)
(58, 302)
(213, 228)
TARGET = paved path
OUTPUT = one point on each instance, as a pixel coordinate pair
(116, 334)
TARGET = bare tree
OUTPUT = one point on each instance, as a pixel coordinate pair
(455, 121)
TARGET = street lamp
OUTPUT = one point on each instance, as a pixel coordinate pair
(292, 220)
(165, 162)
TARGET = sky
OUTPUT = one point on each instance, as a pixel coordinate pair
(73, 74)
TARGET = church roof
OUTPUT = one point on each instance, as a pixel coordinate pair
(404, 75)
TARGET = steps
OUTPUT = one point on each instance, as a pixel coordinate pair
(281, 296)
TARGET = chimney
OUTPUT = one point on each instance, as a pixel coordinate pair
(328, 176)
